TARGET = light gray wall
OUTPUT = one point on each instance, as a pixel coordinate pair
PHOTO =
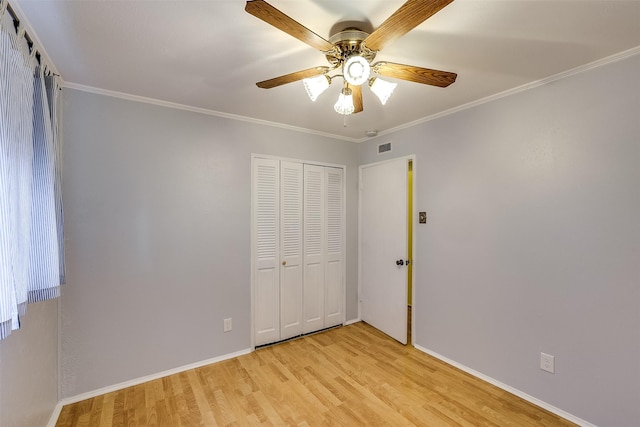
(29, 367)
(157, 209)
(533, 239)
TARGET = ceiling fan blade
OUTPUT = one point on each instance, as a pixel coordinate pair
(269, 14)
(356, 92)
(415, 74)
(292, 77)
(410, 15)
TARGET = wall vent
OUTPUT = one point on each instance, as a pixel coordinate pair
(384, 148)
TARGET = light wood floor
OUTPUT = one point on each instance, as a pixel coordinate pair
(349, 376)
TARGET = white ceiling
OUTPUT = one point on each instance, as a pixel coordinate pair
(209, 54)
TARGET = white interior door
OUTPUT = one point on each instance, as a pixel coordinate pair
(297, 248)
(290, 249)
(314, 248)
(383, 244)
(334, 252)
(266, 229)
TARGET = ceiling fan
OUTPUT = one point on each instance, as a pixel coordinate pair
(352, 51)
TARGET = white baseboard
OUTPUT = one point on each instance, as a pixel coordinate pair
(352, 321)
(508, 388)
(55, 415)
(88, 395)
(136, 381)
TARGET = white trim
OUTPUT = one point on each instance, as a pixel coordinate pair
(508, 388)
(152, 377)
(200, 110)
(90, 394)
(291, 159)
(344, 245)
(531, 85)
(78, 398)
(352, 321)
(252, 243)
(407, 158)
(580, 69)
(358, 267)
(53, 420)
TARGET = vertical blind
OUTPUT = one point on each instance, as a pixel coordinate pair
(31, 233)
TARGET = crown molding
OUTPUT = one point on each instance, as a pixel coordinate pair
(200, 110)
(527, 86)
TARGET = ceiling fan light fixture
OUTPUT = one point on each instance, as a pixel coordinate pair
(352, 51)
(344, 105)
(316, 85)
(382, 88)
(356, 70)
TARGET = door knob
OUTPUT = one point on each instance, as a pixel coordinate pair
(399, 262)
(284, 262)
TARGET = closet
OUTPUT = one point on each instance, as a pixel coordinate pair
(298, 247)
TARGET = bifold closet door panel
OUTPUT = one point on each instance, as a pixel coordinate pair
(265, 256)
(334, 248)
(291, 217)
(297, 248)
(314, 248)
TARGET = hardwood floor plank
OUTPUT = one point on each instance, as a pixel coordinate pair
(106, 416)
(201, 399)
(348, 376)
(270, 412)
(96, 410)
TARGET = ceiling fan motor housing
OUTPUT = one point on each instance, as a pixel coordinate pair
(349, 43)
(354, 50)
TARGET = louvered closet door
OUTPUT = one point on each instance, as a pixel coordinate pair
(266, 274)
(314, 248)
(334, 252)
(291, 175)
(297, 249)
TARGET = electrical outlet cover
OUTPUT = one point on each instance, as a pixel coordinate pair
(547, 363)
(227, 325)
